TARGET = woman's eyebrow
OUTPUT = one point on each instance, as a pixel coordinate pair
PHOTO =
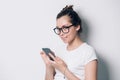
(62, 26)
(57, 26)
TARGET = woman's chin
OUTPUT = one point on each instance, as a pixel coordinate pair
(65, 41)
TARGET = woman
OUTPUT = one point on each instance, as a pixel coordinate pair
(79, 61)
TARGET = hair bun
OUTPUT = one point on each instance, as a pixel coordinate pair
(68, 7)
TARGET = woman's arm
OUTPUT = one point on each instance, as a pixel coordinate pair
(91, 70)
(50, 72)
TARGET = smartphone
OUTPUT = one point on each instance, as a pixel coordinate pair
(47, 52)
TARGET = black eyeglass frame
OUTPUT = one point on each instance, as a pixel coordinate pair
(61, 29)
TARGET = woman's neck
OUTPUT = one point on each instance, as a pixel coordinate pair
(75, 43)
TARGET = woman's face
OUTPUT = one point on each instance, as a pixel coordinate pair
(70, 36)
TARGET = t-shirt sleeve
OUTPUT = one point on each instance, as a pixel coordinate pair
(90, 55)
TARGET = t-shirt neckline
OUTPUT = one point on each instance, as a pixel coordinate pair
(80, 46)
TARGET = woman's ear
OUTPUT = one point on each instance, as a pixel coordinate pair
(78, 28)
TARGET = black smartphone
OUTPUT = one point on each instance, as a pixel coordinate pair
(47, 52)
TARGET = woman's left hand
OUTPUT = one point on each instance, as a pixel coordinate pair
(58, 63)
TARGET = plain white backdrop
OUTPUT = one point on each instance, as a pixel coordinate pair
(27, 25)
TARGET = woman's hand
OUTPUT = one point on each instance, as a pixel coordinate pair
(58, 63)
(46, 59)
(50, 70)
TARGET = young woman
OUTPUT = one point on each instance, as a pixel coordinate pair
(79, 61)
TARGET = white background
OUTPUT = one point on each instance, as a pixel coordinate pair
(26, 26)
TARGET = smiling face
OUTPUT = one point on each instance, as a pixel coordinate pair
(73, 30)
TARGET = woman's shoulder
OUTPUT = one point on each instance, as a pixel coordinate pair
(90, 53)
(86, 47)
(83, 48)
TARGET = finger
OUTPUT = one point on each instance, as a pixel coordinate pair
(52, 56)
(53, 62)
(43, 55)
(58, 58)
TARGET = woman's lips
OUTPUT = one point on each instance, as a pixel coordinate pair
(63, 38)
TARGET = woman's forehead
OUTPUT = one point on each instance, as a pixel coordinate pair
(62, 21)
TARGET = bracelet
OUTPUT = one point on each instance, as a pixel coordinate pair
(64, 72)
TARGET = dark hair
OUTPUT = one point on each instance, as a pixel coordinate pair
(75, 19)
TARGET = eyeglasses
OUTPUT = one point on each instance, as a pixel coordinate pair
(64, 29)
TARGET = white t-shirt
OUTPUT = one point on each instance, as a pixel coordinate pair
(76, 60)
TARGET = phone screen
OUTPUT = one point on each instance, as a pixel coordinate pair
(47, 52)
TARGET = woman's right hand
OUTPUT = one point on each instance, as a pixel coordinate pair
(45, 59)
(50, 70)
